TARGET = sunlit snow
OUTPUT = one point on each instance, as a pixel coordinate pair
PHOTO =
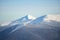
(31, 17)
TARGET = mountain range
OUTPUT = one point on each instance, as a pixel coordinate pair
(46, 27)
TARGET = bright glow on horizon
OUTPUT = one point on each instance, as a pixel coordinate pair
(52, 17)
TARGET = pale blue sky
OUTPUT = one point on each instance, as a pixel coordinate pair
(13, 9)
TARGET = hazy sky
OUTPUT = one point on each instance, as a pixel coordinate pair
(13, 9)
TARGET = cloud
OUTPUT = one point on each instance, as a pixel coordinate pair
(52, 17)
(5, 23)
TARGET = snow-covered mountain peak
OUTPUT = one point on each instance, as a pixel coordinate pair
(38, 20)
(23, 20)
(30, 17)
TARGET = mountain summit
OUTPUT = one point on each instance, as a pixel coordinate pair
(30, 17)
(23, 20)
(38, 20)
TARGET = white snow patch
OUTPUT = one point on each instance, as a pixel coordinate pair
(31, 17)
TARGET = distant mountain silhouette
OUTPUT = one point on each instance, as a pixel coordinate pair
(36, 29)
(23, 20)
(38, 20)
